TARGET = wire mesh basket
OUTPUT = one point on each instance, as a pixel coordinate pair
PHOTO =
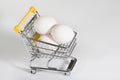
(44, 53)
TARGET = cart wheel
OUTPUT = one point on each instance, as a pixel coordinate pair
(67, 73)
(33, 71)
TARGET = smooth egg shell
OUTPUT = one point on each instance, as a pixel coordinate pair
(47, 46)
(62, 34)
(47, 39)
(43, 24)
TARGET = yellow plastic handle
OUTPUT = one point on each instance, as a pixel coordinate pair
(17, 27)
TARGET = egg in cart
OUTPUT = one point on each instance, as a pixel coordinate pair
(45, 55)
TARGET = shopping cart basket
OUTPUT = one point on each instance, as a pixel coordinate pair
(44, 50)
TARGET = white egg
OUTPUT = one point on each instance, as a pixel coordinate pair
(47, 46)
(47, 39)
(44, 23)
(62, 33)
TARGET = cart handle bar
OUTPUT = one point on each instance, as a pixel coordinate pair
(17, 27)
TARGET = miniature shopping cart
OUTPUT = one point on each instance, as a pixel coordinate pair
(44, 53)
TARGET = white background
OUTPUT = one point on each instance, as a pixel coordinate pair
(98, 45)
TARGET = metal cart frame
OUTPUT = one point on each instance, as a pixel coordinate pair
(62, 51)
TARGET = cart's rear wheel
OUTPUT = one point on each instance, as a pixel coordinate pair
(33, 71)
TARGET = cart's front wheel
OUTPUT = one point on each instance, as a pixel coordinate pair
(67, 73)
(33, 71)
